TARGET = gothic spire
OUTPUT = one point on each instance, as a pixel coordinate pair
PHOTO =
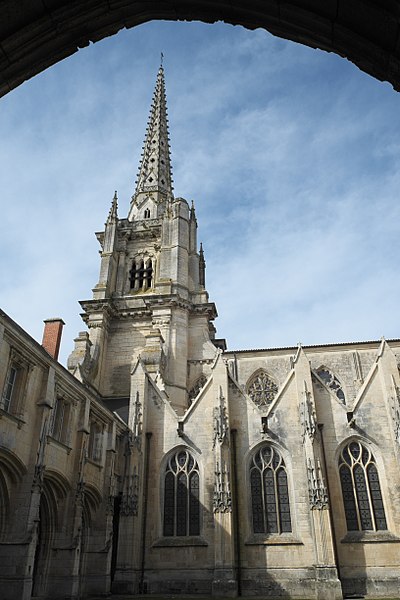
(155, 176)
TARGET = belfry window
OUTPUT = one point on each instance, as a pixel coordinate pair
(141, 275)
(181, 495)
(146, 213)
(361, 491)
(269, 492)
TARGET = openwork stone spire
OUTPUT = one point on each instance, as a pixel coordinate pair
(155, 175)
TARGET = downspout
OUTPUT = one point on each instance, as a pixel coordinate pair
(236, 513)
(144, 519)
(334, 539)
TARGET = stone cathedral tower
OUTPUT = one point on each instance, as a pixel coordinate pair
(150, 301)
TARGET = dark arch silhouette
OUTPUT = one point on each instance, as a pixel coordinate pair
(37, 34)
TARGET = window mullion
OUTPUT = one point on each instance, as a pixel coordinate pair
(369, 497)
(187, 503)
(355, 497)
(175, 502)
(263, 500)
(277, 508)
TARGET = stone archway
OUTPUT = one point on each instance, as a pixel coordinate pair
(38, 34)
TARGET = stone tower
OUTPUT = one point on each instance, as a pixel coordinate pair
(150, 303)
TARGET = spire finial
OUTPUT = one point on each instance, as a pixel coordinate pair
(161, 60)
(155, 174)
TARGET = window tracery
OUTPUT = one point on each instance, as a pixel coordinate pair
(362, 498)
(332, 383)
(262, 389)
(181, 495)
(269, 492)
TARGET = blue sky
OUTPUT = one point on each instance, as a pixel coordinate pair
(290, 154)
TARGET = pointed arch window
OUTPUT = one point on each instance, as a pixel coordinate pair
(269, 492)
(181, 495)
(262, 389)
(146, 213)
(362, 497)
(332, 383)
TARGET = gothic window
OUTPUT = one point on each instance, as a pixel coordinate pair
(146, 213)
(332, 383)
(262, 389)
(95, 449)
(361, 491)
(59, 427)
(269, 492)
(181, 495)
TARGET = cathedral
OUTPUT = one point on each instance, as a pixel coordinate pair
(159, 462)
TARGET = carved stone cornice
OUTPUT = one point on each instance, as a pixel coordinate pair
(103, 309)
(209, 309)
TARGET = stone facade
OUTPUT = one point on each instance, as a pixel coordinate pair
(161, 463)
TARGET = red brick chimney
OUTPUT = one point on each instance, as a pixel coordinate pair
(52, 336)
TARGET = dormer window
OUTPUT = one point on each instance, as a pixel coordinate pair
(146, 213)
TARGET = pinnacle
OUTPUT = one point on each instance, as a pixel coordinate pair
(114, 207)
